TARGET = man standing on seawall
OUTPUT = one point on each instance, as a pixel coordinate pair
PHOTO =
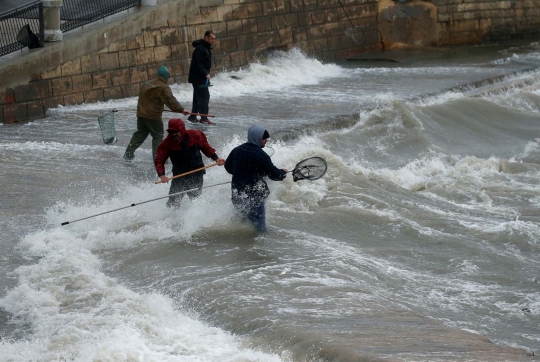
(153, 96)
(199, 75)
(249, 164)
(184, 147)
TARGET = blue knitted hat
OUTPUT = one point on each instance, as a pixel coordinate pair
(163, 72)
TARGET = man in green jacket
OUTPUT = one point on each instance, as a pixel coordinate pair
(153, 96)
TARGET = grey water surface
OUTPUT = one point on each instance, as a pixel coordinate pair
(421, 243)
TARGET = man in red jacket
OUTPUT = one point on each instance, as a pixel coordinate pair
(184, 148)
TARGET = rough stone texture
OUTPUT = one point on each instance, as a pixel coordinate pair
(87, 67)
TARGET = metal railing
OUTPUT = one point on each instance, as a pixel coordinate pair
(13, 21)
(73, 14)
(77, 13)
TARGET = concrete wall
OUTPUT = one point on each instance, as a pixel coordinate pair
(110, 59)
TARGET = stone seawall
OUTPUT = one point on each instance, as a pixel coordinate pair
(109, 60)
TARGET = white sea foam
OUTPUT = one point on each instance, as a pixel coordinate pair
(283, 70)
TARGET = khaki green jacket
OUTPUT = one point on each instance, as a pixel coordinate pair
(153, 96)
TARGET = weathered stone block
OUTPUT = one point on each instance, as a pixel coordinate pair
(243, 42)
(162, 54)
(71, 67)
(109, 61)
(304, 19)
(120, 76)
(77, 98)
(234, 27)
(176, 68)
(241, 12)
(72, 99)
(135, 43)
(318, 16)
(139, 74)
(291, 20)
(220, 29)
(265, 40)
(300, 34)
(145, 56)
(221, 62)
(152, 38)
(296, 5)
(61, 86)
(81, 82)
(249, 26)
(171, 36)
(7, 96)
(101, 80)
(238, 58)
(90, 63)
(93, 96)
(180, 51)
(255, 10)
(53, 73)
(177, 21)
(131, 90)
(225, 13)
(209, 14)
(35, 90)
(278, 22)
(310, 4)
(228, 44)
(35, 109)
(285, 36)
(112, 93)
(15, 112)
(53, 102)
(116, 47)
(269, 8)
(264, 24)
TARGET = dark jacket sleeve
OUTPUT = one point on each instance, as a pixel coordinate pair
(272, 171)
(162, 155)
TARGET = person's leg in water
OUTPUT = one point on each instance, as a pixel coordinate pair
(188, 182)
(257, 217)
(138, 138)
(156, 130)
(194, 104)
(252, 212)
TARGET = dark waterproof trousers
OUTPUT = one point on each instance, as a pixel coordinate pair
(201, 98)
(252, 211)
(145, 127)
(184, 183)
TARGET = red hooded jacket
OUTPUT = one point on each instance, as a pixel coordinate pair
(185, 154)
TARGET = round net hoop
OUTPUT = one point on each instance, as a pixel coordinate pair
(312, 168)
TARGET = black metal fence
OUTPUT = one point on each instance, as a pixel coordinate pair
(77, 13)
(14, 34)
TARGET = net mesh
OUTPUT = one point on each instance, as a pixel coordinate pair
(108, 131)
(310, 169)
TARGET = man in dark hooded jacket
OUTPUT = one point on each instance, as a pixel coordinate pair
(184, 148)
(199, 75)
(249, 164)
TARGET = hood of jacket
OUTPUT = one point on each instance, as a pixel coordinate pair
(255, 135)
(198, 42)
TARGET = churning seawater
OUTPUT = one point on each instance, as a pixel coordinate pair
(421, 243)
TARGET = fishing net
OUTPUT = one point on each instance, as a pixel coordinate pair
(108, 131)
(310, 169)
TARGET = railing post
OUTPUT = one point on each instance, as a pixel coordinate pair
(51, 19)
(148, 2)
